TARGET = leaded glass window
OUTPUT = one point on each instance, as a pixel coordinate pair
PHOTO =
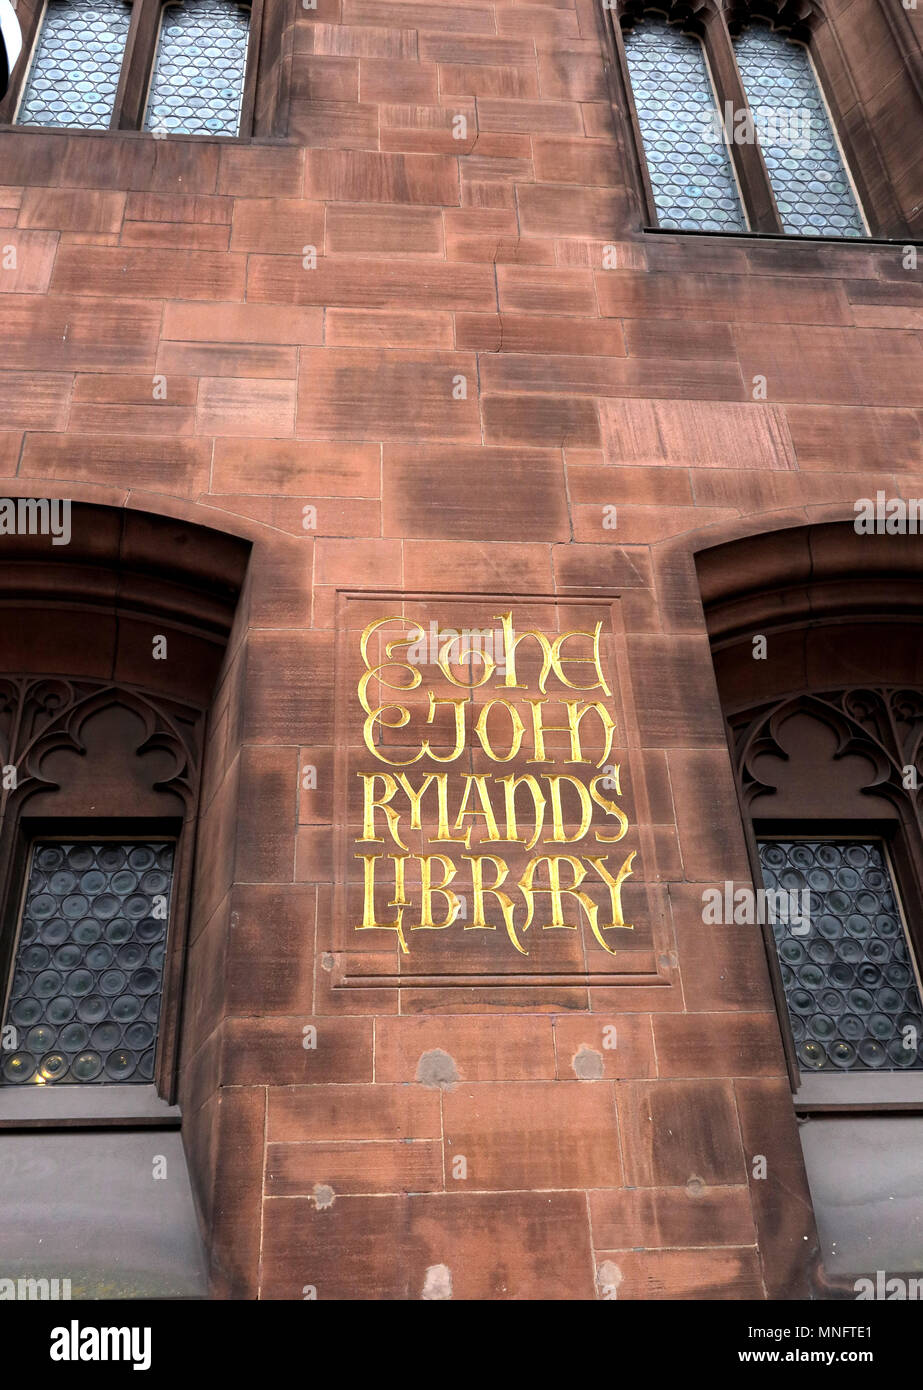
(84, 1001)
(198, 82)
(75, 70)
(850, 982)
(810, 184)
(687, 157)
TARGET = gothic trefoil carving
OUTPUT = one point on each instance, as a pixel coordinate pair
(882, 724)
(42, 716)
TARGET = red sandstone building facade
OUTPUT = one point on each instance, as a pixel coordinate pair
(396, 969)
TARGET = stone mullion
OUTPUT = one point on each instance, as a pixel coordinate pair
(137, 65)
(749, 165)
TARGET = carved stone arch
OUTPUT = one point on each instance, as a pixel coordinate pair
(689, 16)
(93, 608)
(819, 580)
(796, 19)
(841, 632)
(110, 648)
(817, 643)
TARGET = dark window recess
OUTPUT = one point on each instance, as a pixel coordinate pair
(850, 984)
(84, 999)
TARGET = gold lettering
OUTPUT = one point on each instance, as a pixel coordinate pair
(368, 922)
(489, 664)
(371, 803)
(478, 781)
(428, 890)
(543, 874)
(414, 797)
(506, 902)
(511, 642)
(586, 808)
(572, 728)
(610, 807)
(509, 785)
(376, 717)
(459, 729)
(442, 834)
(615, 891)
(558, 661)
(556, 890)
(519, 729)
(418, 636)
(552, 659)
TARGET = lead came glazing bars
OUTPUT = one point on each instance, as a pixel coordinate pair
(88, 974)
(198, 81)
(75, 69)
(687, 158)
(850, 987)
(811, 186)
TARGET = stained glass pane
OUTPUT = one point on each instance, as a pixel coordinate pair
(687, 158)
(85, 998)
(75, 71)
(849, 980)
(198, 82)
(812, 190)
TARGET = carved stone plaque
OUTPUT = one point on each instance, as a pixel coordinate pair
(492, 825)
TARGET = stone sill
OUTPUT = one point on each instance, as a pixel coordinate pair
(867, 1091)
(789, 238)
(85, 1107)
(70, 132)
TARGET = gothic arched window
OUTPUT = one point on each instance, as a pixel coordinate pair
(811, 186)
(197, 86)
(825, 731)
(687, 159)
(731, 125)
(846, 960)
(110, 650)
(74, 74)
(182, 68)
